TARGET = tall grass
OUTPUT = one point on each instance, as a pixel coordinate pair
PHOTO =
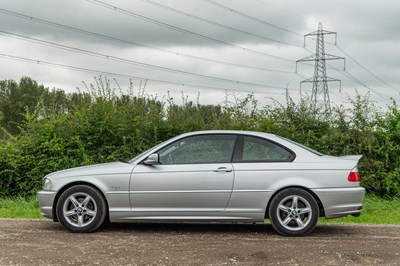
(19, 207)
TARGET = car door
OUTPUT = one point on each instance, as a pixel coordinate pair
(258, 163)
(194, 174)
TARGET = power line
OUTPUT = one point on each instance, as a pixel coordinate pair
(341, 49)
(251, 17)
(101, 72)
(353, 78)
(366, 69)
(383, 96)
(130, 42)
(293, 32)
(320, 79)
(338, 95)
(128, 61)
(356, 80)
(217, 24)
(338, 47)
(157, 22)
(106, 37)
(291, 14)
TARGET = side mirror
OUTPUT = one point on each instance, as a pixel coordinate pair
(152, 159)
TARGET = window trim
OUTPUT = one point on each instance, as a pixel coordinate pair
(239, 148)
(237, 154)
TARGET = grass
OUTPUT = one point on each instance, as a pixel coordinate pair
(375, 211)
(19, 207)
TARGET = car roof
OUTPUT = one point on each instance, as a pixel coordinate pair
(301, 152)
(242, 132)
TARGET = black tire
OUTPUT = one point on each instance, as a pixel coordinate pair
(293, 212)
(81, 209)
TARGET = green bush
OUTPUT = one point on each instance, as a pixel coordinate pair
(38, 150)
(105, 124)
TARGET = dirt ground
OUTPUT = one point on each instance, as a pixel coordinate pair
(42, 242)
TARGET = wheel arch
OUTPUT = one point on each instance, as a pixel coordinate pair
(320, 205)
(69, 185)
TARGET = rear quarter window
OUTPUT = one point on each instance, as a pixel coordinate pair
(261, 150)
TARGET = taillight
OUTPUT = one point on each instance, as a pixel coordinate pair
(354, 176)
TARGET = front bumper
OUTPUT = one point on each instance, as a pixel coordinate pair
(338, 202)
(46, 199)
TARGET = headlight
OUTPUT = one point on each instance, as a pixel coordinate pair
(47, 185)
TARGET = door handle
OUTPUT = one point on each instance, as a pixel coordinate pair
(223, 170)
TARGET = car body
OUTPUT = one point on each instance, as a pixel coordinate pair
(209, 176)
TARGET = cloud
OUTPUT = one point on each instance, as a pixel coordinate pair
(366, 30)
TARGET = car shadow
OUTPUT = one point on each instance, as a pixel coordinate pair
(237, 228)
(244, 228)
(337, 230)
(189, 227)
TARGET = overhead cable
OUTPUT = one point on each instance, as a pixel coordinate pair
(218, 24)
(366, 69)
(88, 70)
(169, 26)
(128, 61)
(353, 78)
(114, 39)
(251, 17)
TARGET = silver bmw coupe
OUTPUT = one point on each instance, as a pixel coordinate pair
(209, 176)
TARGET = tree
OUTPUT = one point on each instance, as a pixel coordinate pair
(16, 99)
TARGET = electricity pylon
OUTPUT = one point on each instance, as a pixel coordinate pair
(320, 80)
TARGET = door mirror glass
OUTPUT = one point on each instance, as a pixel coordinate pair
(152, 159)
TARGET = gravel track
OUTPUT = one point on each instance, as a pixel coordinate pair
(42, 242)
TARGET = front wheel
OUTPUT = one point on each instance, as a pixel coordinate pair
(293, 212)
(81, 209)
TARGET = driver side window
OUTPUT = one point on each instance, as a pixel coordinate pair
(199, 149)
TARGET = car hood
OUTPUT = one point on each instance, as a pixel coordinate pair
(96, 169)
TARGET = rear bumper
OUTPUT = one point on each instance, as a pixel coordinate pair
(338, 202)
(46, 199)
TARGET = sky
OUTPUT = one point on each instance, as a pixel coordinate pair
(203, 49)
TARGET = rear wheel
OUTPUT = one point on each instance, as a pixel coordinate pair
(81, 208)
(293, 212)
